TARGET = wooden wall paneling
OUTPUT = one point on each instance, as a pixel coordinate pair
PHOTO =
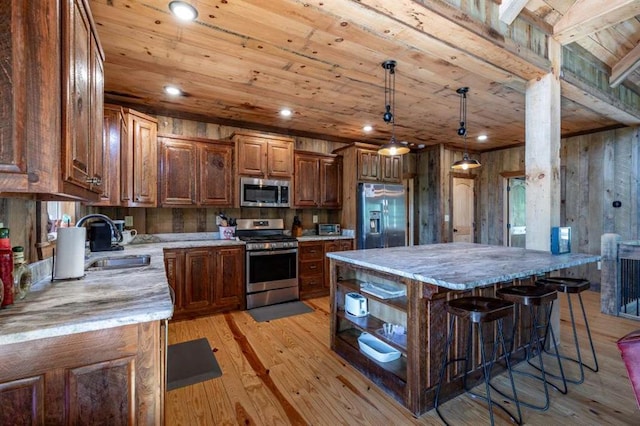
(635, 184)
(571, 150)
(624, 189)
(428, 196)
(592, 222)
(610, 191)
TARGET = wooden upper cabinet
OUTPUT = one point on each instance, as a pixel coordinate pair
(368, 165)
(195, 172)
(114, 131)
(51, 148)
(139, 161)
(306, 186)
(177, 172)
(317, 180)
(379, 168)
(83, 94)
(265, 156)
(215, 165)
(330, 182)
(391, 168)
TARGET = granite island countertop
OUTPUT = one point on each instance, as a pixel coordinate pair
(461, 266)
(102, 299)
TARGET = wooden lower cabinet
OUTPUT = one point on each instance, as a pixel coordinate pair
(114, 376)
(313, 265)
(205, 280)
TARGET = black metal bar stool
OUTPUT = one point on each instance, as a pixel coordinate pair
(479, 310)
(571, 286)
(535, 298)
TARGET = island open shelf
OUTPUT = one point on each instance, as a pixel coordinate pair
(431, 275)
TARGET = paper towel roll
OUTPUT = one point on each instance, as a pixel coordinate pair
(69, 259)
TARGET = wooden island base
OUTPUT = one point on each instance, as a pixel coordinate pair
(412, 378)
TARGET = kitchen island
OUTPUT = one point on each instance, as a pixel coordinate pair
(408, 286)
(90, 349)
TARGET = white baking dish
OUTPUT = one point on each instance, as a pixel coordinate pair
(376, 348)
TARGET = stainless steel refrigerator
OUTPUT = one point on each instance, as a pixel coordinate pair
(382, 218)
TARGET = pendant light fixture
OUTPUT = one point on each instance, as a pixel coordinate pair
(466, 163)
(392, 147)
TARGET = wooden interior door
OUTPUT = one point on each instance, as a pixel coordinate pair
(463, 210)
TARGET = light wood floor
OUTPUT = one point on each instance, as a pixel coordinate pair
(282, 372)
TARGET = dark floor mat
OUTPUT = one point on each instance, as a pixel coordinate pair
(281, 310)
(190, 362)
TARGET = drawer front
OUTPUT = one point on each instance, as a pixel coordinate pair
(311, 283)
(310, 251)
(314, 267)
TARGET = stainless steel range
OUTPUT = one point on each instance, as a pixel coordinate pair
(271, 263)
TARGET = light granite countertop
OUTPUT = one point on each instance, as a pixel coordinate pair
(461, 266)
(102, 299)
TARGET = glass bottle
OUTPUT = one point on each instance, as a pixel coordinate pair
(6, 267)
(22, 277)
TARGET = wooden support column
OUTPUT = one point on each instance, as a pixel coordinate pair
(542, 160)
(542, 153)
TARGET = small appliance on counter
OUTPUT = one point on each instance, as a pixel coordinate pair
(328, 229)
(101, 237)
(355, 304)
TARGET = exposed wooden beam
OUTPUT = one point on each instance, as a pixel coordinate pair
(510, 9)
(586, 17)
(625, 66)
(575, 89)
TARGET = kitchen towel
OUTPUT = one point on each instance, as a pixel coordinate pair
(191, 362)
(69, 253)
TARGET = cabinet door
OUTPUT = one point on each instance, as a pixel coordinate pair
(368, 165)
(216, 175)
(77, 138)
(252, 156)
(23, 401)
(280, 159)
(391, 166)
(112, 131)
(197, 281)
(144, 172)
(228, 290)
(174, 268)
(98, 152)
(305, 181)
(87, 385)
(330, 183)
(177, 172)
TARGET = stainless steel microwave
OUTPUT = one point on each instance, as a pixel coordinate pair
(264, 192)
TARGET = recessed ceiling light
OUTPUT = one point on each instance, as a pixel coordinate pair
(172, 90)
(183, 11)
(367, 128)
(483, 138)
(285, 112)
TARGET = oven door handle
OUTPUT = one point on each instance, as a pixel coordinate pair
(271, 252)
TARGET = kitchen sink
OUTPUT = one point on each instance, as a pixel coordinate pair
(119, 262)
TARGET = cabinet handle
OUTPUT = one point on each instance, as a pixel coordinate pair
(94, 180)
(313, 266)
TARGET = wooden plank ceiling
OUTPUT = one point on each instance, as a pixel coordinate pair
(241, 61)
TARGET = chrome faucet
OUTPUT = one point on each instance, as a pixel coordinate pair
(114, 229)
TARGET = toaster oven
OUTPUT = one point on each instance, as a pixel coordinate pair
(328, 229)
